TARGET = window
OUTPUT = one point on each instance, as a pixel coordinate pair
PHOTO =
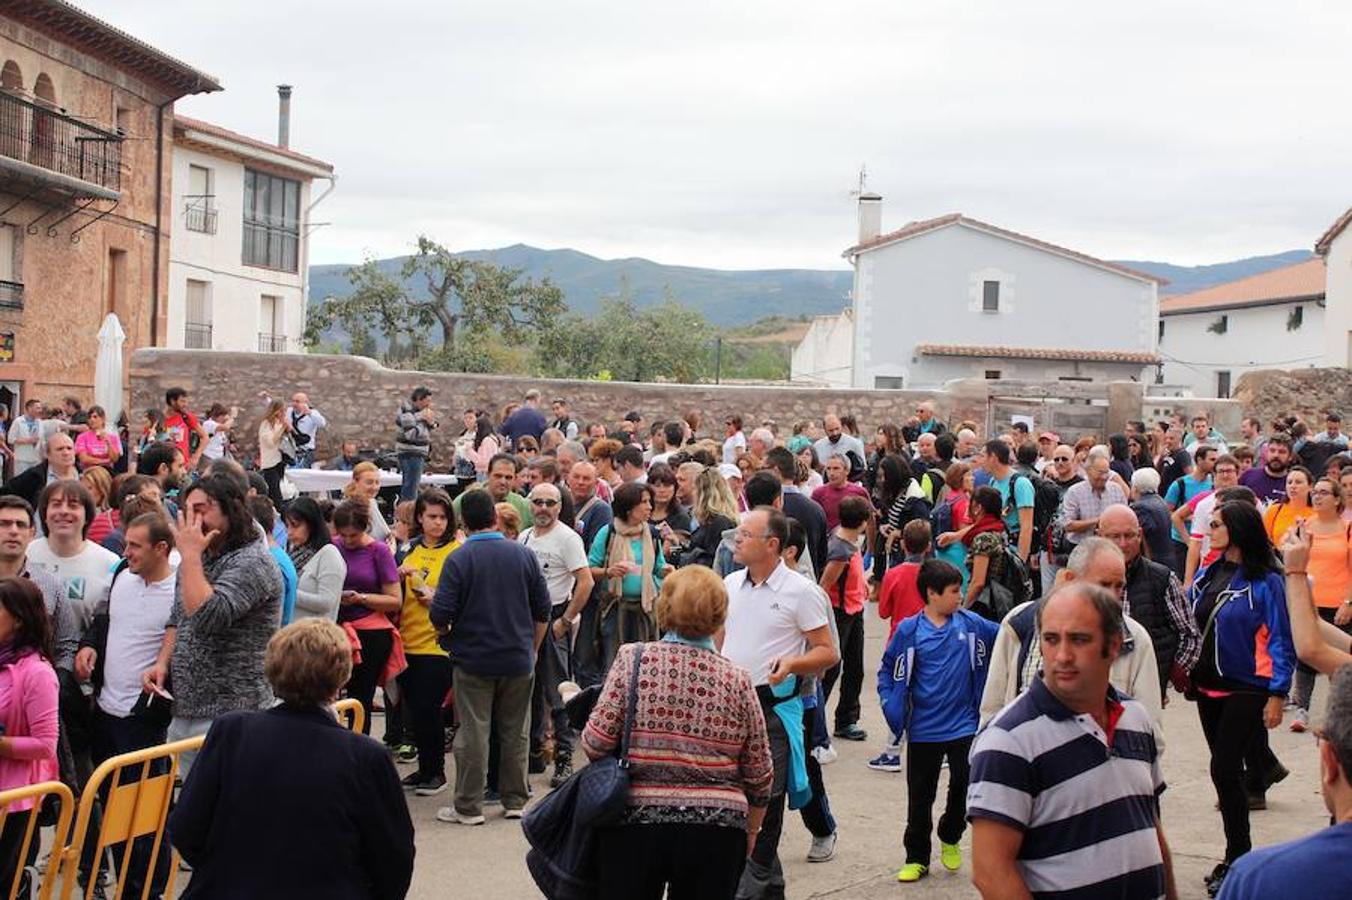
(1161, 335)
(271, 324)
(115, 300)
(197, 322)
(992, 374)
(11, 281)
(122, 118)
(199, 204)
(990, 296)
(888, 382)
(1220, 325)
(1295, 318)
(271, 221)
(1223, 384)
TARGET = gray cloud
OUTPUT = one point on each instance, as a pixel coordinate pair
(730, 135)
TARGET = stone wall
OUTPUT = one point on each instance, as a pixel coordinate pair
(1308, 393)
(359, 397)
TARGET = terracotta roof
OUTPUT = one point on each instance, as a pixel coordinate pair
(218, 131)
(1321, 246)
(1108, 356)
(1302, 281)
(924, 227)
(77, 28)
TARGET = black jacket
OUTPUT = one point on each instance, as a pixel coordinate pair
(28, 484)
(1147, 589)
(288, 803)
(809, 514)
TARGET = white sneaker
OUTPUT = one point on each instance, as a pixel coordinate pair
(825, 755)
(823, 849)
(450, 814)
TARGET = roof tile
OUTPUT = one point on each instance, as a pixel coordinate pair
(1049, 353)
(1304, 280)
(208, 128)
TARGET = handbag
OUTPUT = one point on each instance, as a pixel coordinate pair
(562, 828)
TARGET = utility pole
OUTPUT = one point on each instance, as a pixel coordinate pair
(718, 359)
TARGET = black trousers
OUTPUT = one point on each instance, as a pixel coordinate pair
(763, 877)
(376, 644)
(273, 476)
(816, 812)
(850, 669)
(11, 842)
(1230, 725)
(425, 683)
(114, 736)
(923, 762)
(689, 861)
(546, 706)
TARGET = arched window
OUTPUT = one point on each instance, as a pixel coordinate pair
(44, 90)
(11, 78)
(42, 152)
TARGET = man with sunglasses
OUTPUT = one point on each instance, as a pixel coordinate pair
(563, 560)
(1061, 471)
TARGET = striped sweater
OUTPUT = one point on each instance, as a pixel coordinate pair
(698, 752)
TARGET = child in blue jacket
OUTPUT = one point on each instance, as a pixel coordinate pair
(930, 683)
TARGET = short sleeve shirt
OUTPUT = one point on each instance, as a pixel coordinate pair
(1023, 497)
(850, 590)
(369, 569)
(560, 553)
(769, 620)
(178, 428)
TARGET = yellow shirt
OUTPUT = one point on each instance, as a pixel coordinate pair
(420, 638)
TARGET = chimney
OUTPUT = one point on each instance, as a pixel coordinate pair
(870, 216)
(283, 115)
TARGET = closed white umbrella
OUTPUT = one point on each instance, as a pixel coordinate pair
(108, 370)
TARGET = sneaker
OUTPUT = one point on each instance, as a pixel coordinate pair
(431, 786)
(563, 770)
(950, 855)
(450, 737)
(511, 813)
(1257, 801)
(823, 848)
(825, 755)
(1215, 879)
(412, 781)
(455, 817)
(912, 872)
(851, 732)
(885, 762)
(1290, 703)
(408, 753)
(1277, 773)
(1301, 720)
(492, 798)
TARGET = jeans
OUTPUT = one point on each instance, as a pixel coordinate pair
(763, 876)
(819, 736)
(551, 669)
(410, 469)
(1303, 685)
(425, 683)
(482, 702)
(1230, 725)
(1048, 569)
(626, 623)
(816, 814)
(850, 669)
(923, 761)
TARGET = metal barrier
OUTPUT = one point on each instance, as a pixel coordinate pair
(350, 713)
(131, 809)
(38, 793)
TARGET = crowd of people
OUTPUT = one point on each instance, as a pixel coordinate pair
(695, 599)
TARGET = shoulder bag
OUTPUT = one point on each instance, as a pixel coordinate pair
(561, 828)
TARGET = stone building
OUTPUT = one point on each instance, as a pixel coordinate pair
(86, 119)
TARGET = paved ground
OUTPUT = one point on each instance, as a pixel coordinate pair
(871, 809)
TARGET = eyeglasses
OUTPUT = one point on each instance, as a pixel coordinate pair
(743, 535)
(536, 501)
(1321, 492)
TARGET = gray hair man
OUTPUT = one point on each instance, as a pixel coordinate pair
(1016, 657)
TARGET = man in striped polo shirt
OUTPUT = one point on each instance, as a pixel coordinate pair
(1065, 782)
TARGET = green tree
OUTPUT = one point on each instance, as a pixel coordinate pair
(666, 342)
(479, 297)
(377, 302)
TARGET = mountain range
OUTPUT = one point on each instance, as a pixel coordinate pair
(730, 298)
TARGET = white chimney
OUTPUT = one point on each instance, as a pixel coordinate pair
(283, 115)
(870, 216)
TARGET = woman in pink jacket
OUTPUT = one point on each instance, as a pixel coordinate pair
(28, 692)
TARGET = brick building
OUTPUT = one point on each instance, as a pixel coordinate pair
(86, 125)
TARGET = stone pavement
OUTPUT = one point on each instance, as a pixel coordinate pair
(489, 861)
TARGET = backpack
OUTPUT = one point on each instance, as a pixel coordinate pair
(1013, 586)
(941, 519)
(1046, 504)
(935, 484)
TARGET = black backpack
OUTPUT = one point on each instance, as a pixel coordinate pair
(1046, 504)
(1014, 585)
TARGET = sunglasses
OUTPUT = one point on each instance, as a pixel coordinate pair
(546, 503)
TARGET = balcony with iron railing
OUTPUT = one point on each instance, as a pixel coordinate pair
(58, 150)
(271, 343)
(11, 295)
(199, 213)
(197, 336)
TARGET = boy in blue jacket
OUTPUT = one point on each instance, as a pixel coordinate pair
(930, 684)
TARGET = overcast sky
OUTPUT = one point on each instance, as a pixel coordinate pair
(731, 134)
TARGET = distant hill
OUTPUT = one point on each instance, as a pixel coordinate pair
(1186, 279)
(730, 298)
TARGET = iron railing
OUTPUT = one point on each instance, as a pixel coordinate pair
(200, 214)
(271, 343)
(11, 295)
(45, 138)
(197, 336)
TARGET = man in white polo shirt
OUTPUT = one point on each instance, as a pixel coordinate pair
(776, 628)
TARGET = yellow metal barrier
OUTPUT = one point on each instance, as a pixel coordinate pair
(134, 809)
(38, 793)
(350, 713)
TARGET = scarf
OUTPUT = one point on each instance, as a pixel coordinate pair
(300, 555)
(10, 653)
(987, 522)
(706, 643)
(620, 551)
